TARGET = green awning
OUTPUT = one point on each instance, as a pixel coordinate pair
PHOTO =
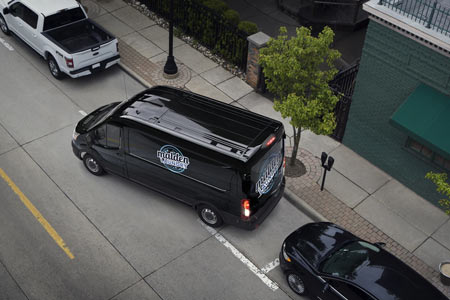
(425, 116)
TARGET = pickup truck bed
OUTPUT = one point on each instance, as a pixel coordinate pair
(78, 36)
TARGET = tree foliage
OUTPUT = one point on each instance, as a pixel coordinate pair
(297, 72)
(442, 186)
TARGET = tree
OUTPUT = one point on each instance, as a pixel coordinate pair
(297, 72)
(443, 187)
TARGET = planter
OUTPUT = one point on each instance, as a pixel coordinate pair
(444, 269)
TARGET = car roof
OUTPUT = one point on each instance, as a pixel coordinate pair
(49, 7)
(387, 277)
(383, 275)
(230, 130)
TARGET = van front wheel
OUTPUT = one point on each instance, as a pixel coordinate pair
(209, 216)
(92, 165)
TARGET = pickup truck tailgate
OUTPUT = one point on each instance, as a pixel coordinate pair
(94, 55)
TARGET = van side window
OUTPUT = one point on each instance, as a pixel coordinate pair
(108, 135)
(141, 146)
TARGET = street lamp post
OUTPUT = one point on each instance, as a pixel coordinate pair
(170, 68)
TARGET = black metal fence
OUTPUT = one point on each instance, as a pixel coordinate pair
(207, 27)
(433, 14)
(343, 83)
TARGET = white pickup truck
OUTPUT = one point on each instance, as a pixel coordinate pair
(60, 31)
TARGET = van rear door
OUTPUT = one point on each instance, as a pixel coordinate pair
(266, 173)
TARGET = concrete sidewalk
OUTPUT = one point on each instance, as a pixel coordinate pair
(357, 195)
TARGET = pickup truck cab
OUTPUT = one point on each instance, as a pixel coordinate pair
(62, 34)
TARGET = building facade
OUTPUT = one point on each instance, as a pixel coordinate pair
(400, 114)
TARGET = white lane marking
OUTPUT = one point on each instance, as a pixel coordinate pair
(272, 285)
(270, 266)
(82, 112)
(6, 44)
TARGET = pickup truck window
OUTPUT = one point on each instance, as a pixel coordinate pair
(63, 17)
(27, 15)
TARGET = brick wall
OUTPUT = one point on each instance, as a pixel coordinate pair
(392, 66)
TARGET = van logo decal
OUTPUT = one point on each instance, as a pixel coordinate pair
(268, 172)
(173, 159)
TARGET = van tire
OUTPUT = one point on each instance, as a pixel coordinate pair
(4, 26)
(210, 216)
(92, 165)
(54, 68)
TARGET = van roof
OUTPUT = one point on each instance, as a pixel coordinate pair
(230, 130)
(49, 7)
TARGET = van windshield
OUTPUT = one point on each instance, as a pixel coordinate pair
(95, 117)
(266, 173)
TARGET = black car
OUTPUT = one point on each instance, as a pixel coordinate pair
(329, 263)
(226, 162)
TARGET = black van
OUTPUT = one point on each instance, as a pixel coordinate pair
(226, 162)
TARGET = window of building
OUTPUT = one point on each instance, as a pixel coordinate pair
(428, 154)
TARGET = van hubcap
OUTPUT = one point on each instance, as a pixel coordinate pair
(209, 216)
(92, 165)
(296, 283)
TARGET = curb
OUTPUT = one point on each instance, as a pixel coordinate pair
(133, 74)
(303, 206)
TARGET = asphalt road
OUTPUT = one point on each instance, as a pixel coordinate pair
(66, 234)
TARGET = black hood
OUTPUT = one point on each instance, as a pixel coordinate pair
(315, 241)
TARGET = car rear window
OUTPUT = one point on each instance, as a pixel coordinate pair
(63, 17)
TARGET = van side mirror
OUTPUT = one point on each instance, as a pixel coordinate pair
(6, 11)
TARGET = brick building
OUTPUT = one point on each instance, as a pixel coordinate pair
(400, 114)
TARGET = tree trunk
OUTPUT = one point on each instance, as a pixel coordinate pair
(297, 135)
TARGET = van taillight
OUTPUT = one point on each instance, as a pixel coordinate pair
(270, 141)
(69, 62)
(245, 203)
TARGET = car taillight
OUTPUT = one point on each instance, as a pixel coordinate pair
(284, 165)
(117, 47)
(245, 204)
(69, 62)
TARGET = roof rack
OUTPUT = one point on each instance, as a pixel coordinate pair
(215, 143)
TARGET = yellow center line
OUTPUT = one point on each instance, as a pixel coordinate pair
(52, 232)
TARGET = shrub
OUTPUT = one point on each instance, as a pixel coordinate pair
(232, 16)
(216, 5)
(248, 27)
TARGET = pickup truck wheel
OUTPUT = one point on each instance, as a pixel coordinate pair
(209, 216)
(53, 67)
(3, 26)
(92, 165)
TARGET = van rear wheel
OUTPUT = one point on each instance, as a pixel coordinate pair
(209, 216)
(92, 165)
